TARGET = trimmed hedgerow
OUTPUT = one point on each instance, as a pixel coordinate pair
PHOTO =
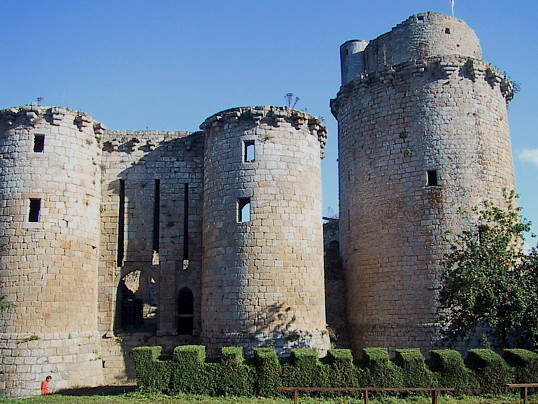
(525, 364)
(235, 376)
(415, 373)
(268, 372)
(305, 369)
(380, 371)
(153, 374)
(492, 372)
(343, 372)
(189, 371)
(451, 371)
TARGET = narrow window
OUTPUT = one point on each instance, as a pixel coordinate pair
(447, 30)
(121, 224)
(243, 210)
(249, 151)
(185, 310)
(186, 226)
(35, 210)
(432, 178)
(420, 19)
(39, 143)
(156, 215)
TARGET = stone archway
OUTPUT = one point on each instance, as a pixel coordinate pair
(138, 301)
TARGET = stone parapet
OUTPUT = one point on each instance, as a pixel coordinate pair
(272, 116)
(435, 68)
(31, 115)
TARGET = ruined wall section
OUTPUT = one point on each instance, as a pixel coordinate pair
(262, 277)
(417, 142)
(156, 168)
(49, 235)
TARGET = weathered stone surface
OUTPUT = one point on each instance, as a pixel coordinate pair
(409, 114)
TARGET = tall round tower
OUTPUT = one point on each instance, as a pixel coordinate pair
(262, 277)
(423, 132)
(49, 240)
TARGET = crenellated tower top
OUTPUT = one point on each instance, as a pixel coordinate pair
(269, 115)
(33, 114)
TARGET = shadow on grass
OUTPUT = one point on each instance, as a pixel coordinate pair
(114, 390)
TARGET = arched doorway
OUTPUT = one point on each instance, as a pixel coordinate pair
(185, 311)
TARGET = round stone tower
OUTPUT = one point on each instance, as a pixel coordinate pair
(49, 240)
(262, 277)
(423, 132)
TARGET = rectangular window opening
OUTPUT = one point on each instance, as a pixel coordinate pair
(35, 210)
(447, 30)
(243, 210)
(121, 225)
(186, 227)
(249, 151)
(39, 143)
(420, 19)
(432, 178)
(156, 215)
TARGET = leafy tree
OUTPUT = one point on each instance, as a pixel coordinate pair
(489, 284)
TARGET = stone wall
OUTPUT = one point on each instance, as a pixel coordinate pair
(49, 235)
(262, 278)
(419, 37)
(417, 142)
(157, 176)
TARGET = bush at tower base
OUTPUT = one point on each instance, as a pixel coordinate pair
(190, 371)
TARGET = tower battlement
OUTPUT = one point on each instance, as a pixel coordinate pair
(216, 237)
(269, 115)
(33, 114)
(450, 68)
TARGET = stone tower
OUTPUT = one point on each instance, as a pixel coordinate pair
(262, 268)
(423, 131)
(49, 236)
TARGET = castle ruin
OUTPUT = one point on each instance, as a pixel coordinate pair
(113, 239)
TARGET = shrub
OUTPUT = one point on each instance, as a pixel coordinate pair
(379, 370)
(235, 377)
(343, 372)
(450, 369)
(492, 372)
(190, 373)
(152, 374)
(525, 363)
(268, 371)
(415, 373)
(305, 369)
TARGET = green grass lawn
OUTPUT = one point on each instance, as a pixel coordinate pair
(125, 394)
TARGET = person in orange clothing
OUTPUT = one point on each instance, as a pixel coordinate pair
(45, 385)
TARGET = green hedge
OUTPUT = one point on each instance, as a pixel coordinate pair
(268, 372)
(189, 371)
(525, 364)
(152, 374)
(450, 371)
(379, 370)
(491, 370)
(414, 371)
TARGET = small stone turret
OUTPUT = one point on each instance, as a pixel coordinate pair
(352, 59)
(423, 132)
(262, 271)
(49, 235)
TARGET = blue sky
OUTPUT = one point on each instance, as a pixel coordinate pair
(168, 64)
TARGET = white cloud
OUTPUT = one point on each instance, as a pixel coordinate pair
(529, 156)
